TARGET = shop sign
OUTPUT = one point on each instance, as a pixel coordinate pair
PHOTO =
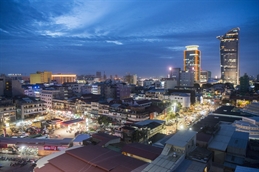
(52, 148)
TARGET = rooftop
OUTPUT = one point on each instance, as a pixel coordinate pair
(91, 158)
(226, 110)
(200, 154)
(212, 121)
(72, 121)
(148, 121)
(190, 166)
(203, 137)
(32, 141)
(164, 163)
(245, 169)
(143, 101)
(81, 137)
(142, 150)
(181, 138)
(104, 138)
(239, 140)
(222, 138)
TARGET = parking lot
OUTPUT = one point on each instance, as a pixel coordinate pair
(17, 163)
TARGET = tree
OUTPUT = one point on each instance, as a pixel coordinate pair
(104, 120)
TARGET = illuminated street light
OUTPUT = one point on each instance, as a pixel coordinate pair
(174, 106)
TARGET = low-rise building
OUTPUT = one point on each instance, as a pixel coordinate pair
(174, 152)
(248, 125)
(229, 148)
(143, 152)
(7, 111)
(252, 109)
(155, 94)
(150, 127)
(183, 98)
(61, 78)
(47, 96)
(29, 107)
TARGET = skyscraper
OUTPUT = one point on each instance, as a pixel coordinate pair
(192, 61)
(229, 56)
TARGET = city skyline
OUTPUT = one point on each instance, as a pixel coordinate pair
(137, 37)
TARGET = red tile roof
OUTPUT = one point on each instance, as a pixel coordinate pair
(47, 167)
(104, 138)
(66, 162)
(92, 158)
(142, 150)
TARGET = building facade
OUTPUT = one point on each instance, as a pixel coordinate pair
(130, 79)
(192, 61)
(168, 83)
(7, 111)
(229, 56)
(29, 107)
(47, 96)
(40, 77)
(61, 78)
(186, 79)
(205, 76)
(244, 83)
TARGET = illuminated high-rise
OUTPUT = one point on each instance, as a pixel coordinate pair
(229, 56)
(192, 61)
(40, 77)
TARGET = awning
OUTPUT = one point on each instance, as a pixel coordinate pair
(72, 121)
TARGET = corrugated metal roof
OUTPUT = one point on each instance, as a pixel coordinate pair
(239, 140)
(245, 169)
(221, 140)
(234, 159)
(95, 159)
(47, 167)
(142, 150)
(190, 166)
(81, 137)
(181, 138)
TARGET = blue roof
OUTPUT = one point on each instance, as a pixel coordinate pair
(190, 166)
(256, 118)
(234, 159)
(245, 169)
(81, 137)
(239, 140)
(184, 166)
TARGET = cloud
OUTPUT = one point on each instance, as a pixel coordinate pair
(169, 57)
(176, 48)
(2, 30)
(52, 34)
(115, 42)
(82, 14)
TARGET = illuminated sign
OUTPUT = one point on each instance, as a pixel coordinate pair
(51, 148)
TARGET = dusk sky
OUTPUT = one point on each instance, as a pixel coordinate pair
(143, 37)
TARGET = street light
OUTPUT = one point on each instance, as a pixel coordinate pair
(174, 106)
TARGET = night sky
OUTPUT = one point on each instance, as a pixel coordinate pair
(143, 37)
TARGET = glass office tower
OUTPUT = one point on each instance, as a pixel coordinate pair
(192, 61)
(229, 56)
